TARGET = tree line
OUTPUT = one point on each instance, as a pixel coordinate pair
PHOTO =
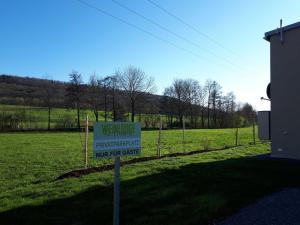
(205, 105)
(131, 91)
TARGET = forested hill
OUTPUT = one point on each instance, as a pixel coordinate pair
(202, 106)
(15, 90)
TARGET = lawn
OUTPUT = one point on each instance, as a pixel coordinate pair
(42, 156)
(37, 117)
(194, 189)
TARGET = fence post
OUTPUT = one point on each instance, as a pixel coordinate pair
(205, 144)
(183, 133)
(253, 132)
(236, 136)
(116, 212)
(86, 139)
(159, 138)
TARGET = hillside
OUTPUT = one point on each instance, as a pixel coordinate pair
(28, 91)
(205, 110)
(15, 90)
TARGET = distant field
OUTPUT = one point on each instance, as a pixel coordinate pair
(37, 117)
(182, 190)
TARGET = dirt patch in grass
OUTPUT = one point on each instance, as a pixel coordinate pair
(86, 171)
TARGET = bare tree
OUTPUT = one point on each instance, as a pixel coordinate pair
(112, 91)
(105, 84)
(49, 99)
(168, 104)
(135, 84)
(208, 89)
(95, 94)
(221, 111)
(201, 102)
(179, 93)
(229, 106)
(215, 98)
(75, 93)
(185, 96)
(191, 95)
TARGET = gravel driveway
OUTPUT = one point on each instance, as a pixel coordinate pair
(281, 208)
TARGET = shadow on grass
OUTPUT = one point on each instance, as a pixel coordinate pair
(194, 194)
(86, 171)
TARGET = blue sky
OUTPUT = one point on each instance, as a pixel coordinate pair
(41, 38)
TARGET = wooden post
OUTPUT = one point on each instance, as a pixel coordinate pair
(236, 136)
(183, 134)
(159, 138)
(86, 139)
(205, 144)
(253, 132)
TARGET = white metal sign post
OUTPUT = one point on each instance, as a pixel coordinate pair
(116, 139)
(116, 216)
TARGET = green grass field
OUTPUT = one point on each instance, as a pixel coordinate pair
(37, 117)
(194, 189)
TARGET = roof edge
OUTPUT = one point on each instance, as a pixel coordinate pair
(285, 28)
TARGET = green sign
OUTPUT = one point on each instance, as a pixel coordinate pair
(114, 139)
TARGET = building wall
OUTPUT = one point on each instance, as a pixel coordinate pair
(285, 94)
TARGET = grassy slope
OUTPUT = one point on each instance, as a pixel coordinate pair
(184, 190)
(27, 155)
(40, 115)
